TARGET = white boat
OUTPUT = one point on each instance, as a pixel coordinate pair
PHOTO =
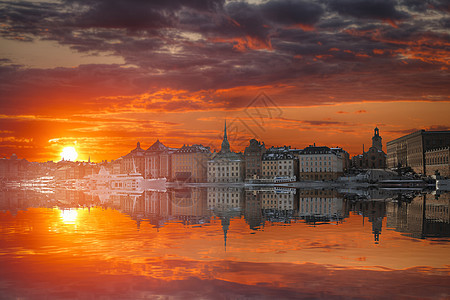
(122, 184)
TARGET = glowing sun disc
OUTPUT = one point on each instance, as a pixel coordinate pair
(69, 153)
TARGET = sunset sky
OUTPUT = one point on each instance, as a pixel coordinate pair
(103, 75)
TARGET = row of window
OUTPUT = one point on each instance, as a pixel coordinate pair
(315, 170)
(275, 167)
(320, 163)
(437, 160)
(316, 158)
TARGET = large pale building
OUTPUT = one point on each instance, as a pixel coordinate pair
(226, 166)
(409, 150)
(158, 162)
(279, 163)
(190, 163)
(155, 162)
(437, 161)
(134, 159)
(320, 163)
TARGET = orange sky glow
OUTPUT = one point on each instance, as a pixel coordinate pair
(286, 73)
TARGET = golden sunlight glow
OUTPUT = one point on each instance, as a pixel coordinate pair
(69, 216)
(69, 153)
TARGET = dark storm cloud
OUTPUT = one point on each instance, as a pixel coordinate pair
(422, 5)
(290, 12)
(374, 9)
(206, 45)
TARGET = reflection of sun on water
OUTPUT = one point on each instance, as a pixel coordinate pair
(69, 216)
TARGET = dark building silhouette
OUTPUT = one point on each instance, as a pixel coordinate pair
(409, 150)
(253, 159)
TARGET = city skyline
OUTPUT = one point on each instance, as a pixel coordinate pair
(101, 77)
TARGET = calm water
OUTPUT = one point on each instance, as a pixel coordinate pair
(224, 243)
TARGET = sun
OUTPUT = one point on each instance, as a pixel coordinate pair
(69, 153)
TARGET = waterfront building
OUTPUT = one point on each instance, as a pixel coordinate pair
(436, 160)
(14, 168)
(226, 166)
(346, 162)
(190, 163)
(320, 163)
(279, 163)
(158, 162)
(132, 160)
(409, 150)
(374, 158)
(253, 159)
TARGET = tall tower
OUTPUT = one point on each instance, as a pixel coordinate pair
(376, 139)
(225, 144)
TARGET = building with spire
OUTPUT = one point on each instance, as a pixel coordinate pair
(226, 166)
(374, 158)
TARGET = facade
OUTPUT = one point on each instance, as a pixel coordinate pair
(158, 162)
(190, 163)
(346, 162)
(14, 168)
(279, 163)
(437, 161)
(320, 163)
(134, 159)
(155, 162)
(226, 166)
(375, 158)
(409, 150)
(253, 159)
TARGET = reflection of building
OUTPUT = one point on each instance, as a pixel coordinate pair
(226, 166)
(437, 161)
(320, 205)
(224, 198)
(189, 163)
(189, 205)
(409, 150)
(226, 203)
(320, 163)
(375, 158)
(252, 209)
(253, 156)
(375, 211)
(426, 216)
(278, 199)
(279, 162)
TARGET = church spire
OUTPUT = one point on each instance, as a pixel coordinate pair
(225, 131)
(225, 144)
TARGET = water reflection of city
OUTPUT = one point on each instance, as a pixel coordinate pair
(415, 214)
